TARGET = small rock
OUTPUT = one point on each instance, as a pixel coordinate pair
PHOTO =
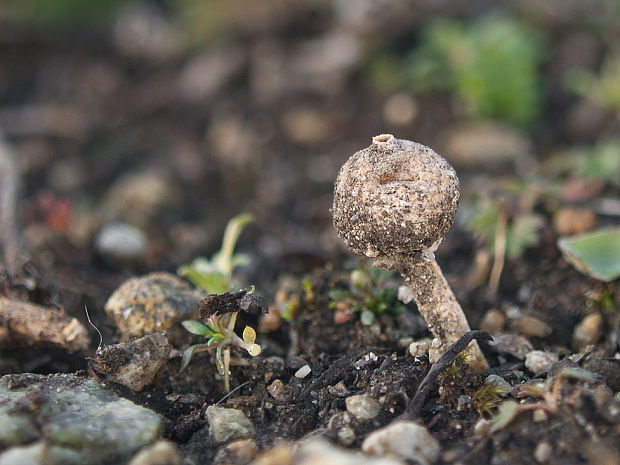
(539, 361)
(241, 451)
(134, 364)
(280, 454)
(138, 196)
(499, 382)
(162, 452)
(543, 451)
(153, 303)
(303, 372)
(530, 326)
(363, 406)
(488, 145)
(569, 221)
(539, 416)
(608, 368)
(279, 391)
(228, 423)
(588, 331)
(34, 406)
(306, 125)
(512, 344)
(320, 452)
(121, 243)
(419, 348)
(493, 321)
(143, 31)
(403, 439)
(482, 427)
(400, 109)
(436, 350)
(346, 435)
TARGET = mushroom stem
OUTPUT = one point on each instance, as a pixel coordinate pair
(436, 302)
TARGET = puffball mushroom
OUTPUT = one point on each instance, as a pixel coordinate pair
(393, 202)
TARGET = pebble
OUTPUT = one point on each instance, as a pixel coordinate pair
(228, 423)
(138, 196)
(539, 416)
(306, 126)
(539, 361)
(493, 321)
(569, 221)
(608, 368)
(400, 109)
(404, 439)
(121, 243)
(530, 326)
(587, 331)
(488, 145)
(162, 452)
(543, 451)
(499, 382)
(69, 406)
(236, 452)
(436, 350)
(153, 303)
(363, 406)
(346, 435)
(512, 344)
(303, 372)
(133, 364)
(320, 452)
(419, 348)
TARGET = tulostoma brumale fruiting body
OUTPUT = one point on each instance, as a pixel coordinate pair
(394, 201)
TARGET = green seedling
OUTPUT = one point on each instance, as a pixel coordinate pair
(220, 333)
(492, 65)
(486, 399)
(370, 293)
(600, 163)
(596, 254)
(215, 275)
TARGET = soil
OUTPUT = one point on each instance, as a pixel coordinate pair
(101, 136)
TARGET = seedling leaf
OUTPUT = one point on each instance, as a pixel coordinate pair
(596, 254)
(249, 335)
(189, 353)
(196, 327)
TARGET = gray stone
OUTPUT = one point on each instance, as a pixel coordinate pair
(363, 406)
(134, 364)
(499, 382)
(539, 361)
(153, 303)
(121, 243)
(228, 423)
(162, 452)
(65, 419)
(320, 452)
(404, 439)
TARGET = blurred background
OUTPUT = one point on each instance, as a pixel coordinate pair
(141, 127)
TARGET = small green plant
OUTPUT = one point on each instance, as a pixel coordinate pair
(599, 163)
(220, 333)
(602, 89)
(492, 64)
(369, 293)
(215, 275)
(486, 399)
(521, 228)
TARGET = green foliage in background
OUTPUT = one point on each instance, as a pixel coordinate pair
(601, 162)
(65, 12)
(492, 64)
(602, 89)
(521, 230)
(215, 275)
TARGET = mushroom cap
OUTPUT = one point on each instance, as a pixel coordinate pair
(394, 197)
